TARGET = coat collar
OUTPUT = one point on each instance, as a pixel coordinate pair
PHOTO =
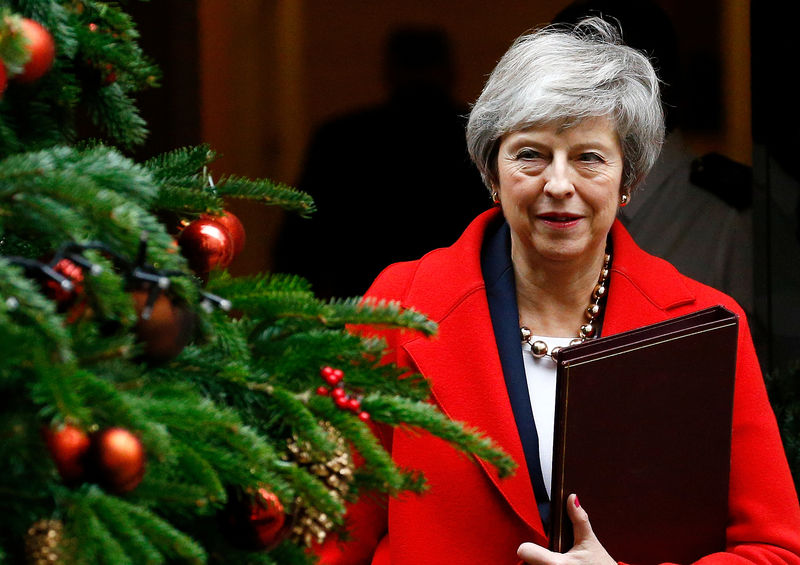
(462, 361)
(643, 289)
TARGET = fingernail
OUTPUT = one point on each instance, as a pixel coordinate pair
(577, 502)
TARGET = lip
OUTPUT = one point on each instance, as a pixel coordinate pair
(559, 220)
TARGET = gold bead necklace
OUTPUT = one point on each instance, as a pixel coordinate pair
(539, 348)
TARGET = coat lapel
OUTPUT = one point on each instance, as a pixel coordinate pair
(468, 385)
(643, 289)
(462, 361)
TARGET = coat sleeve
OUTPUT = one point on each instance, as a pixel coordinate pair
(764, 515)
(367, 518)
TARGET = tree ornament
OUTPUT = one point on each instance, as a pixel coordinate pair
(43, 543)
(71, 301)
(207, 245)
(343, 400)
(116, 459)
(74, 273)
(255, 520)
(42, 51)
(68, 447)
(164, 326)
(267, 517)
(332, 376)
(235, 228)
(334, 470)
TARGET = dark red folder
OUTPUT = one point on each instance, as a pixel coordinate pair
(643, 429)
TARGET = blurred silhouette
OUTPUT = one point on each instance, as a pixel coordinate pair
(392, 181)
(693, 211)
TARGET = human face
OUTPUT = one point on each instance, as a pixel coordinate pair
(560, 188)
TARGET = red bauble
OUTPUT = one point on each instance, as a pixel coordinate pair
(267, 517)
(117, 459)
(234, 227)
(71, 302)
(42, 51)
(71, 271)
(68, 447)
(168, 329)
(207, 245)
(255, 520)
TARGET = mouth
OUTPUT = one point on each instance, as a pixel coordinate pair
(560, 217)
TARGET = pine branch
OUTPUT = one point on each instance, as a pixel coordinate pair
(274, 297)
(237, 453)
(223, 282)
(24, 304)
(93, 168)
(400, 411)
(117, 520)
(268, 192)
(301, 420)
(114, 111)
(201, 473)
(392, 479)
(90, 538)
(380, 313)
(288, 358)
(311, 490)
(176, 197)
(88, 508)
(180, 163)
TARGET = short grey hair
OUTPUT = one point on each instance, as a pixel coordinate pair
(563, 75)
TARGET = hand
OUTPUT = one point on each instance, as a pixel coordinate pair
(587, 548)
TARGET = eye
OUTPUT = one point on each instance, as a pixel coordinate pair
(527, 154)
(591, 157)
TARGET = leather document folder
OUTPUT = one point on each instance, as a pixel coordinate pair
(643, 435)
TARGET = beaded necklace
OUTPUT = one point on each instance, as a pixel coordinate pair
(539, 348)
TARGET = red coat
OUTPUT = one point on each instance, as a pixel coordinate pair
(470, 516)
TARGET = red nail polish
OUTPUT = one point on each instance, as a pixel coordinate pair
(577, 502)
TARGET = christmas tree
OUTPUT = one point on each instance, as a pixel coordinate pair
(154, 408)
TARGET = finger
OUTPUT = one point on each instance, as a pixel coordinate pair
(581, 528)
(534, 554)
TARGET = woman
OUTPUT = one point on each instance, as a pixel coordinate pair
(567, 126)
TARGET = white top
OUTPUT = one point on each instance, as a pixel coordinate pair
(540, 375)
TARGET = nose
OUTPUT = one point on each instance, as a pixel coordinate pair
(557, 179)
